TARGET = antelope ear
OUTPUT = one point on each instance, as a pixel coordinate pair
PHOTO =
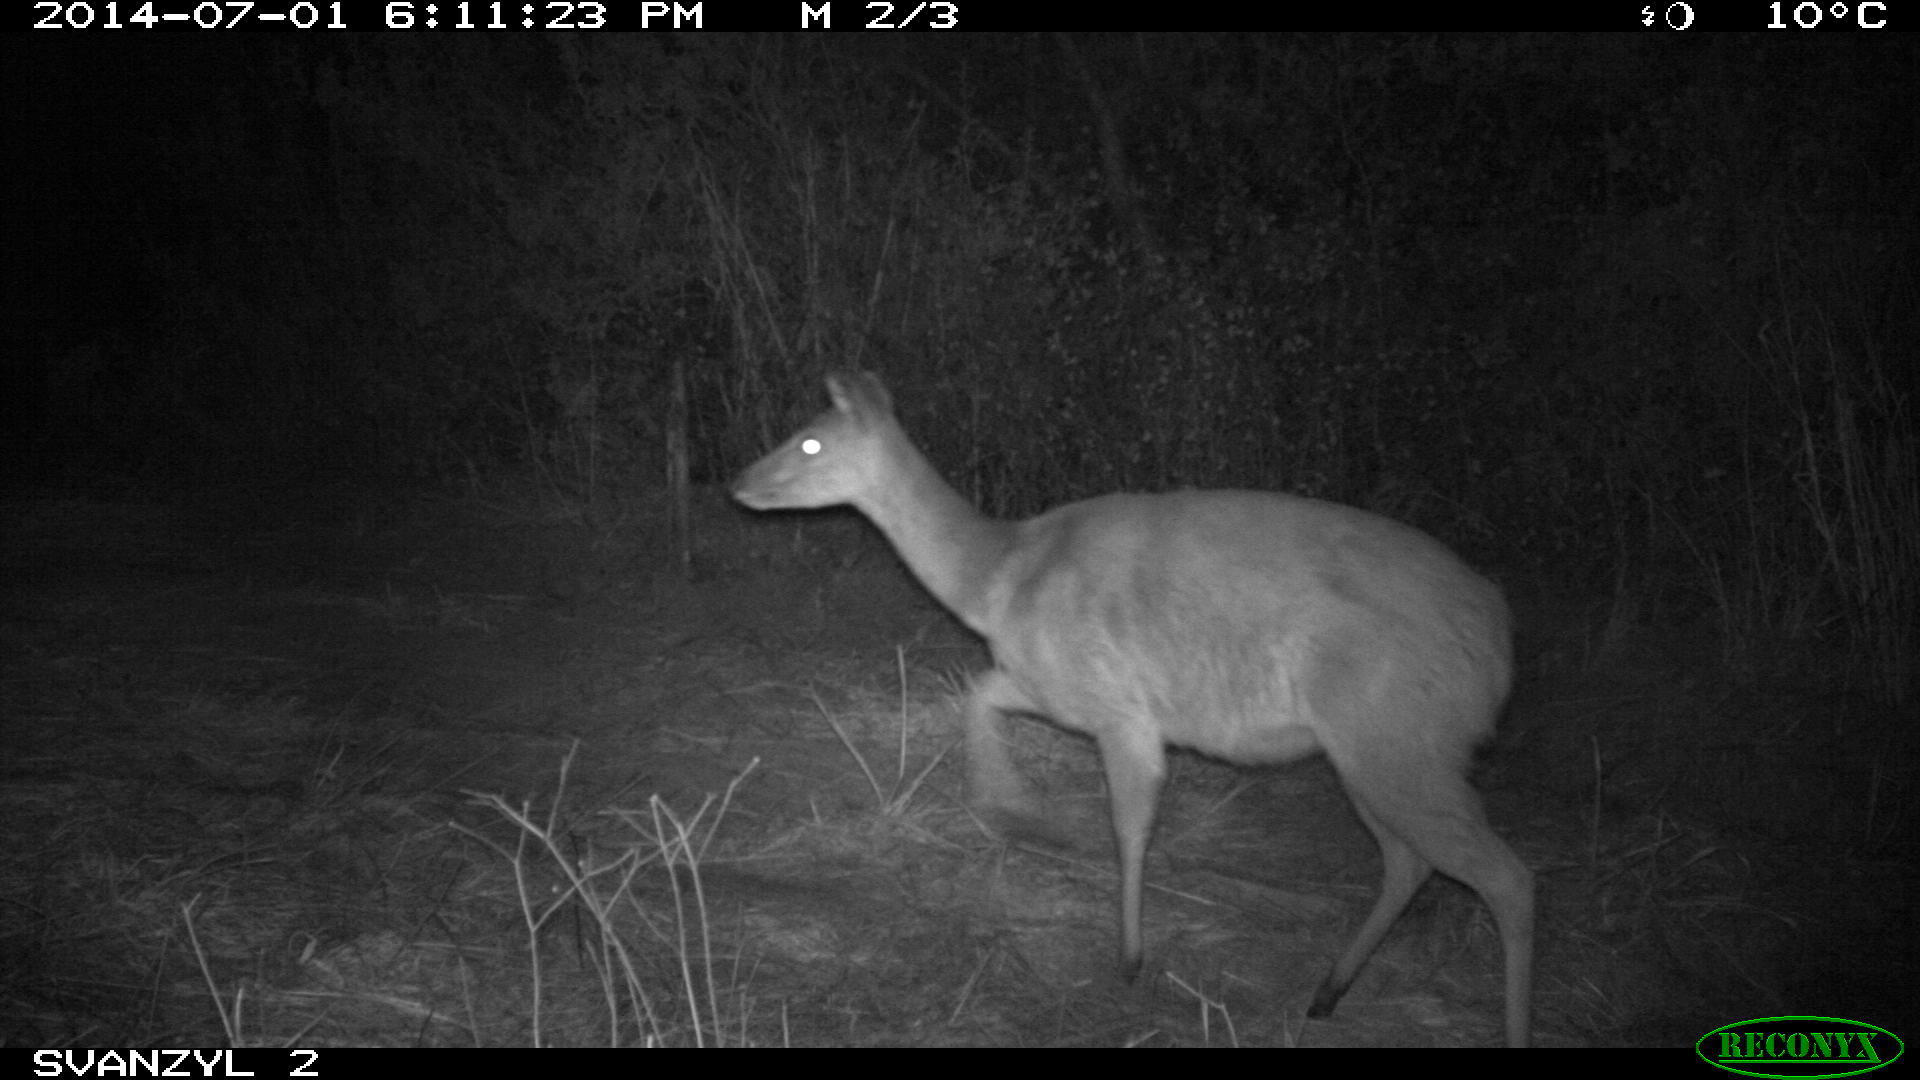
(859, 394)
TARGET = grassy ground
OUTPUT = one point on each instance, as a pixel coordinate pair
(411, 772)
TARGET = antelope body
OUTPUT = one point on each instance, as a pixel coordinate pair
(1250, 626)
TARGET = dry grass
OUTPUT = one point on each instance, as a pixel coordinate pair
(415, 802)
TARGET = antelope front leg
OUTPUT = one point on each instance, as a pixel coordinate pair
(998, 793)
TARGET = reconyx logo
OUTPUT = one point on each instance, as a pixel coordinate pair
(1799, 1047)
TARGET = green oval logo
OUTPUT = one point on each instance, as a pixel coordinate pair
(1799, 1047)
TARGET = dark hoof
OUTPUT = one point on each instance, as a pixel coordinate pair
(1324, 999)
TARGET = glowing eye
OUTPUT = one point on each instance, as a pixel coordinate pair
(810, 446)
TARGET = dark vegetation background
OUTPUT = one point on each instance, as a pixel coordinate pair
(1629, 320)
